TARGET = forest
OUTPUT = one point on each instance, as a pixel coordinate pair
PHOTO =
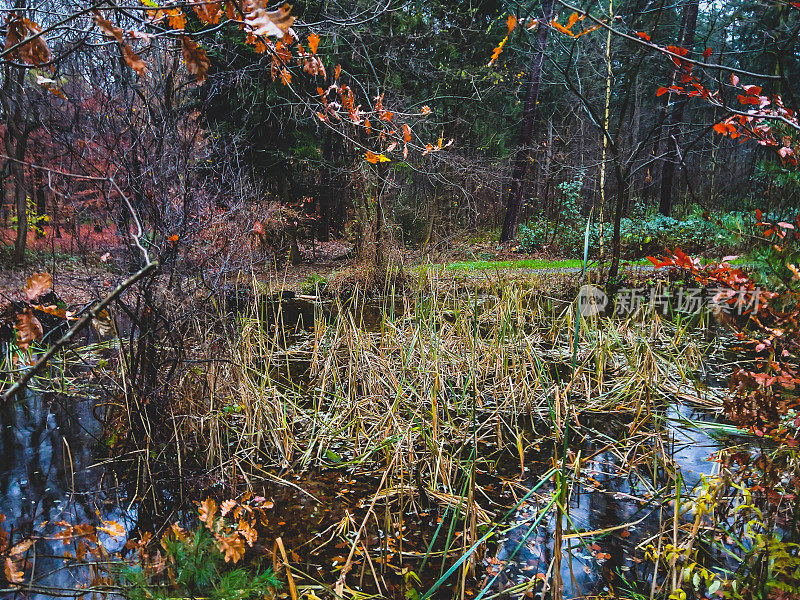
(400, 299)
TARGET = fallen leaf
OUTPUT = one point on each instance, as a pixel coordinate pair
(38, 285)
(29, 329)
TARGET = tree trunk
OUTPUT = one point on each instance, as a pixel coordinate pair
(676, 116)
(21, 201)
(325, 199)
(616, 242)
(514, 202)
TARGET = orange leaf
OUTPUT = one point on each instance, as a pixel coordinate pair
(406, 133)
(512, 22)
(195, 57)
(207, 511)
(208, 12)
(373, 158)
(38, 285)
(29, 329)
(313, 42)
(232, 546)
(496, 52)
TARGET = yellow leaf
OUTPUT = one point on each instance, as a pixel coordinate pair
(112, 528)
(373, 158)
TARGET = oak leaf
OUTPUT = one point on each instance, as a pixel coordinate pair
(12, 575)
(208, 12)
(195, 57)
(207, 511)
(29, 329)
(228, 505)
(270, 23)
(27, 48)
(232, 546)
(38, 285)
(313, 42)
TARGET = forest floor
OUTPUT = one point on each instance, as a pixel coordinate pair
(83, 275)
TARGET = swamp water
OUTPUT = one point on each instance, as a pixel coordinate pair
(53, 470)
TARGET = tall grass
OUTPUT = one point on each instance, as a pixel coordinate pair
(441, 385)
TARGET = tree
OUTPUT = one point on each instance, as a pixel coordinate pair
(514, 200)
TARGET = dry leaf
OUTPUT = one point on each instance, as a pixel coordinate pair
(12, 575)
(208, 12)
(104, 324)
(33, 52)
(110, 30)
(373, 158)
(207, 511)
(226, 507)
(20, 548)
(274, 23)
(29, 329)
(248, 532)
(112, 528)
(232, 546)
(197, 62)
(313, 42)
(38, 285)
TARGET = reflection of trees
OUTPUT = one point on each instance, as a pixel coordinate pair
(48, 446)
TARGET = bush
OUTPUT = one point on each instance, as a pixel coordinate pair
(642, 235)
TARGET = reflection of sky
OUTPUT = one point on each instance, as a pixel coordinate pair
(47, 475)
(585, 569)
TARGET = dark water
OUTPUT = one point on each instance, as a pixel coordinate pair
(610, 495)
(49, 474)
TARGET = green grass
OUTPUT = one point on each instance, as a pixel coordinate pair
(526, 263)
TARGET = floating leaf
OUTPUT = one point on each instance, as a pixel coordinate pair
(29, 329)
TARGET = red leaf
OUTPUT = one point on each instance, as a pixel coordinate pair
(643, 35)
(734, 80)
(661, 91)
(706, 52)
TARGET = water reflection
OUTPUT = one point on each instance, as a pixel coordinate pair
(50, 473)
(612, 493)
